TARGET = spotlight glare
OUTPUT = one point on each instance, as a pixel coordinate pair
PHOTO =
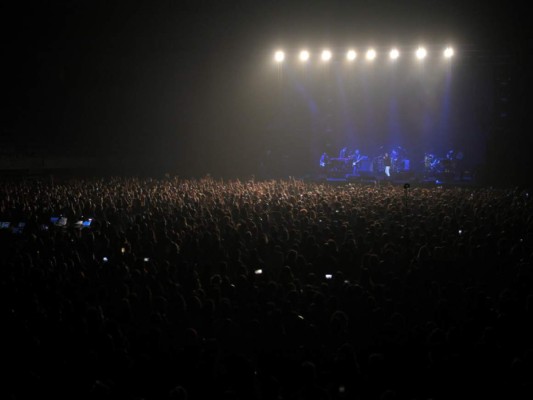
(370, 54)
(326, 55)
(448, 52)
(304, 55)
(279, 56)
(421, 53)
(351, 55)
(394, 54)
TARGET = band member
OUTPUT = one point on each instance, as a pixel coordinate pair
(429, 161)
(324, 160)
(357, 156)
(387, 163)
(450, 155)
(356, 160)
(344, 153)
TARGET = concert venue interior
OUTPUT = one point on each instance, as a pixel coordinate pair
(203, 94)
(266, 200)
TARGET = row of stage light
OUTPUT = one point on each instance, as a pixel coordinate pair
(351, 55)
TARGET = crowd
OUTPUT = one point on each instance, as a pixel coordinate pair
(282, 289)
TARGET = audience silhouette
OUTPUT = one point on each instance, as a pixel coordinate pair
(281, 289)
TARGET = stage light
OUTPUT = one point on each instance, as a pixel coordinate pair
(351, 55)
(279, 56)
(304, 55)
(394, 54)
(326, 55)
(448, 52)
(421, 53)
(370, 54)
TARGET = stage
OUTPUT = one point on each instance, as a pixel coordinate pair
(466, 178)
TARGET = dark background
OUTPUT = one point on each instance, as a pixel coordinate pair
(181, 85)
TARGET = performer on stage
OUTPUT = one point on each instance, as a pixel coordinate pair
(357, 155)
(356, 160)
(387, 163)
(450, 155)
(345, 152)
(324, 160)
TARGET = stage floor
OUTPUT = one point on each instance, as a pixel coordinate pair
(464, 179)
